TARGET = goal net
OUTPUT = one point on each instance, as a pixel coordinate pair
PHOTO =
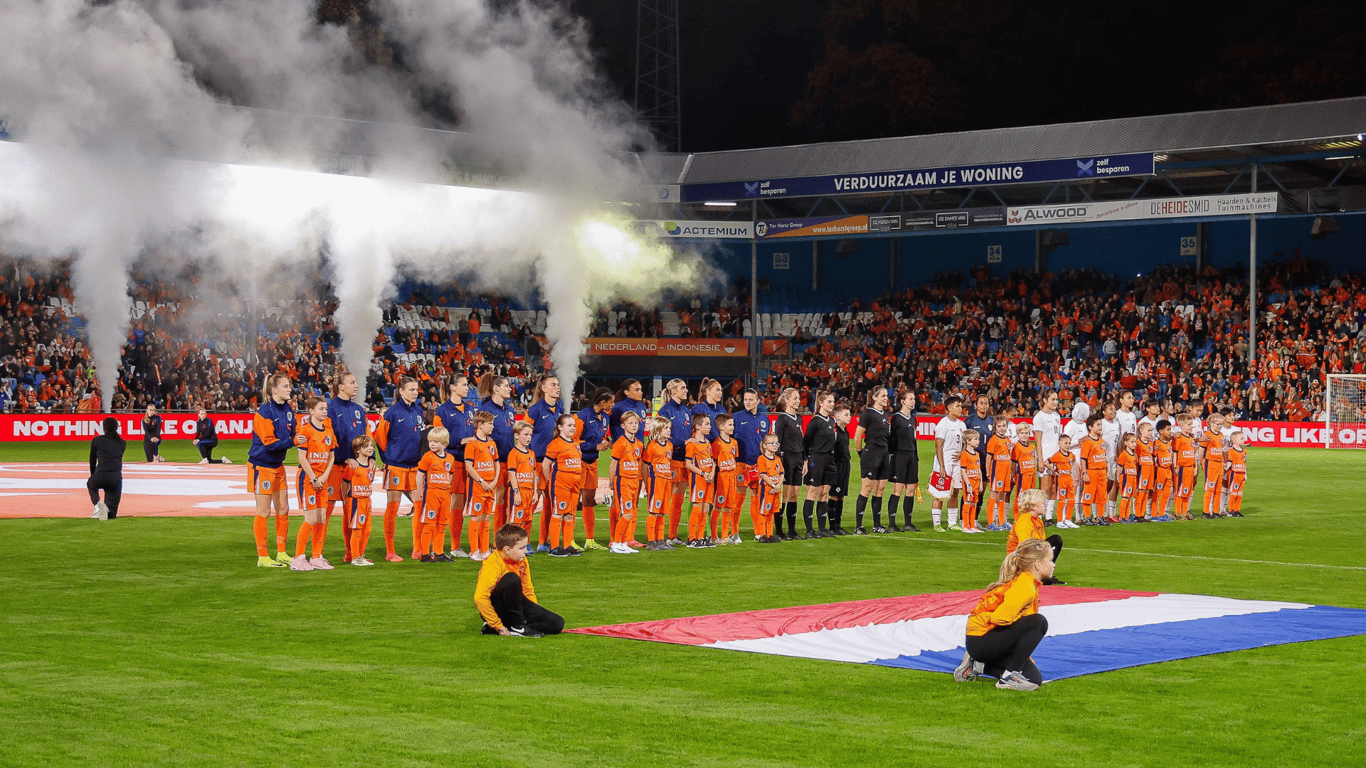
(1346, 401)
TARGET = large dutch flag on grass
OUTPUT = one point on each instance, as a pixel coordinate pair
(1089, 630)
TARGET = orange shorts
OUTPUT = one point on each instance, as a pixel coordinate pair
(1128, 488)
(1064, 488)
(1001, 482)
(1213, 479)
(1185, 482)
(565, 500)
(436, 506)
(357, 508)
(701, 491)
(480, 502)
(334, 483)
(741, 471)
(264, 481)
(680, 470)
(310, 497)
(1145, 479)
(1026, 481)
(521, 514)
(768, 498)
(1162, 479)
(724, 489)
(1094, 491)
(626, 494)
(400, 478)
(1235, 484)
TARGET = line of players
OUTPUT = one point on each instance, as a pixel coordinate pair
(483, 467)
(1097, 469)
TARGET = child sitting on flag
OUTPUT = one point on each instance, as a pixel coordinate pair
(1005, 626)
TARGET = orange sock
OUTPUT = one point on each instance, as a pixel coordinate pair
(390, 523)
(545, 517)
(500, 510)
(319, 539)
(418, 525)
(613, 517)
(714, 515)
(590, 519)
(484, 532)
(619, 533)
(301, 543)
(439, 540)
(675, 514)
(258, 527)
(456, 528)
(360, 539)
(346, 531)
(556, 526)
(281, 532)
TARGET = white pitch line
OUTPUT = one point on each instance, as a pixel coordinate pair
(1156, 554)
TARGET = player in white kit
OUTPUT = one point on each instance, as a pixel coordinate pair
(948, 446)
(1047, 429)
(1076, 429)
(1111, 432)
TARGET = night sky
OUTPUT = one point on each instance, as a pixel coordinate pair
(773, 72)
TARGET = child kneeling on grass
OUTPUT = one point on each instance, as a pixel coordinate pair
(504, 595)
(1005, 626)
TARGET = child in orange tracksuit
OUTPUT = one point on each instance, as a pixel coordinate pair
(1183, 450)
(769, 493)
(1147, 466)
(702, 481)
(435, 473)
(1164, 461)
(524, 478)
(1213, 443)
(624, 475)
(1095, 467)
(971, 469)
(659, 478)
(356, 482)
(1026, 462)
(724, 503)
(483, 482)
(564, 466)
(1064, 487)
(1002, 473)
(1236, 468)
(1127, 460)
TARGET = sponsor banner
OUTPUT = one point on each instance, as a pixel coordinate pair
(41, 427)
(663, 193)
(697, 230)
(667, 347)
(1131, 210)
(966, 217)
(825, 226)
(1030, 172)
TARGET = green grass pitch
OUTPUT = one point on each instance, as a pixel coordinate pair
(158, 641)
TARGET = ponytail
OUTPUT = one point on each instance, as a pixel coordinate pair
(271, 380)
(785, 396)
(487, 382)
(1022, 559)
(339, 379)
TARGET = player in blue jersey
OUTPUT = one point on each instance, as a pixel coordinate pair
(457, 417)
(676, 410)
(348, 423)
(630, 399)
(545, 410)
(751, 427)
(272, 435)
(399, 437)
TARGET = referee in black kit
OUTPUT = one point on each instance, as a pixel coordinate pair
(106, 470)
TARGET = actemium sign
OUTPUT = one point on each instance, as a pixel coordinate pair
(697, 230)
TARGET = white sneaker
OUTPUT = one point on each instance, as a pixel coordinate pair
(738, 540)
(361, 562)
(973, 530)
(965, 672)
(203, 461)
(1016, 682)
(461, 553)
(300, 563)
(227, 460)
(320, 564)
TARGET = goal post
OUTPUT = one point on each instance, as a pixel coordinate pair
(1345, 402)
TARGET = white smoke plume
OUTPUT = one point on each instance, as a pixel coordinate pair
(128, 111)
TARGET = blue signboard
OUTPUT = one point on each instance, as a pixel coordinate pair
(1031, 172)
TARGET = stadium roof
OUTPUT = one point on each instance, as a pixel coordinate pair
(1300, 146)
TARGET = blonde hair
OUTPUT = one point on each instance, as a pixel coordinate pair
(1022, 559)
(440, 434)
(1030, 497)
(271, 381)
(658, 423)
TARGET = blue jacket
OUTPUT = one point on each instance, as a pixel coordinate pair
(595, 429)
(680, 426)
(638, 407)
(711, 412)
(502, 426)
(750, 430)
(272, 434)
(348, 423)
(457, 421)
(404, 442)
(543, 419)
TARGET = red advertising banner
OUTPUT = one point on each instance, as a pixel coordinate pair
(236, 426)
(40, 427)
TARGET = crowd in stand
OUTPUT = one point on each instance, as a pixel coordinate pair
(1174, 334)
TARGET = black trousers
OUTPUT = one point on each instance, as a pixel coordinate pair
(150, 449)
(515, 610)
(206, 450)
(112, 485)
(1009, 647)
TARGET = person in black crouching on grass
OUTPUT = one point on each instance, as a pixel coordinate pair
(106, 471)
(504, 595)
(840, 488)
(819, 443)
